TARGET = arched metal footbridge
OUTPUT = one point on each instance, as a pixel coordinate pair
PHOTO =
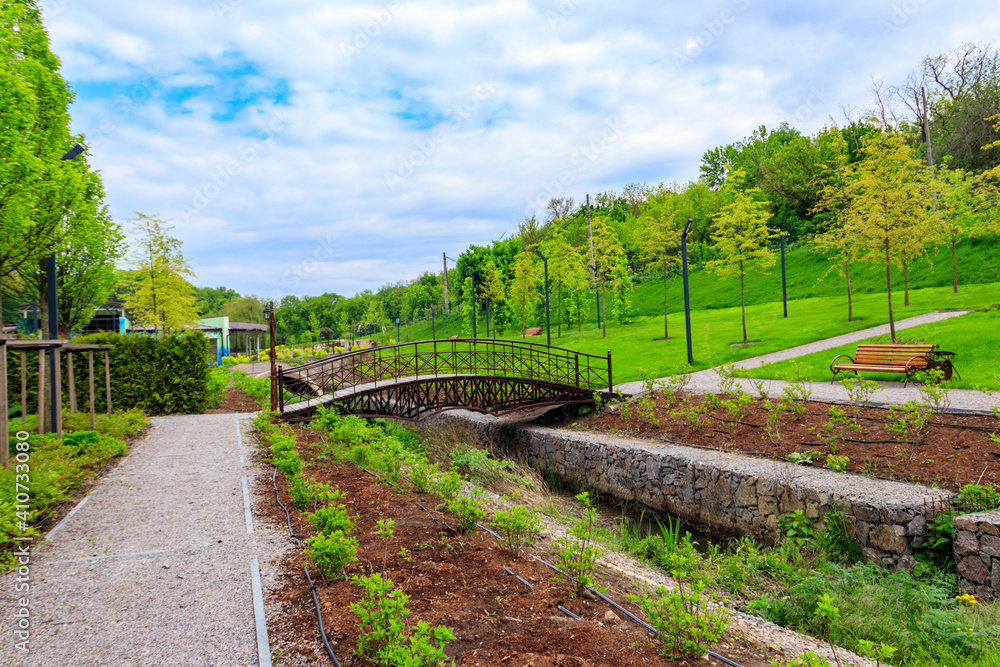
(412, 381)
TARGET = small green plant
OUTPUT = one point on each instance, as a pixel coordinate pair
(804, 458)
(298, 489)
(826, 611)
(446, 485)
(737, 408)
(879, 653)
(421, 475)
(469, 510)
(674, 385)
(380, 614)
(758, 386)
(686, 625)
(425, 648)
(908, 420)
(645, 408)
(794, 396)
(577, 553)
(326, 494)
(837, 463)
(772, 426)
(727, 378)
(807, 659)
(330, 552)
(479, 466)
(860, 391)
(935, 390)
(517, 526)
(331, 519)
(796, 527)
(696, 416)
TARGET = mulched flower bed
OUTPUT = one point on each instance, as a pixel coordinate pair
(950, 451)
(452, 579)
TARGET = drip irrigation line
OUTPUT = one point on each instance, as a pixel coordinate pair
(287, 515)
(479, 525)
(628, 613)
(567, 612)
(319, 615)
(932, 423)
(730, 421)
(511, 573)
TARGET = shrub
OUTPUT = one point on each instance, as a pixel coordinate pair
(332, 519)
(330, 552)
(517, 526)
(298, 489)
(686, 626)
(446, 485)
(469, 510)
(380, 614)
(576, 552)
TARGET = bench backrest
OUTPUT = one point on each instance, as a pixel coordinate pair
(893, 355)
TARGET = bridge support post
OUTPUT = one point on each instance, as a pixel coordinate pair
(281, 394)
(611, 385)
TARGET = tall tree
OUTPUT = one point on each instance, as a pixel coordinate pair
(741, 236)
(611, 268)
(524, 285)
(833, 200)
(494, 290)
(955, 200)
(888, 215)
(36, 190)
(159, 294)
(661, 240)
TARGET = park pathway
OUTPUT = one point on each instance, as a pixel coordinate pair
(892, 393)
(159, 564)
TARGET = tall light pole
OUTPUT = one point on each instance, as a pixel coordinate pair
(784, 285)
(687, 294)
(53, 299)
(473, 303)
(548, 322)
(269, 316)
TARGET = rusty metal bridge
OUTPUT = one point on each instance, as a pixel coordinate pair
(412, 381)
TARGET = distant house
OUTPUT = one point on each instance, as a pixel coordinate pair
(110, 316)
(233, 337)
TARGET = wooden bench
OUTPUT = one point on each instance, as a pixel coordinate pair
(906, 359)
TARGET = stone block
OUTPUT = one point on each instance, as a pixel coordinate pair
(972, 569)
(746, 494)
(995, 579)
(966, 543)
(917, 527)
(767, 487)
(891, 539)
(990, 544)
(965, 522)
(812, 509)
(989, 528)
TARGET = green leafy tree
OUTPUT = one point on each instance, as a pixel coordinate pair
(159, 294)
(611, 264)
(953, 190)
(494, 290)
(661, 239)
(833, 200)
(524, 286)
(888, 215)
(741, 237)
(468, 308)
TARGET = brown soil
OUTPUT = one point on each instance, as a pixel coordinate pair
(234, 401)
(951, 451)
(452, 579)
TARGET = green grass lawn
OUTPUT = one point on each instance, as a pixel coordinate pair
(975, 337)
(636, 355)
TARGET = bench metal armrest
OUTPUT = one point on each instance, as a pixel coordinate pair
(838, 357)
(923, 357)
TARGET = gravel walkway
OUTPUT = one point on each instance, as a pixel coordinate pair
(154, 567)
(891, 393)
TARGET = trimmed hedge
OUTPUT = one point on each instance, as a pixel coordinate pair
(155, 374)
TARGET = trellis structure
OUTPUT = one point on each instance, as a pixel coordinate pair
(8, 345)
(412, 381)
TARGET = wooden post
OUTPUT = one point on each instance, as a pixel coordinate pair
(4, 423)
(24, 387)
(56, 392)
(107, 378)
(41, 391)
(90, 368)
(71, 380)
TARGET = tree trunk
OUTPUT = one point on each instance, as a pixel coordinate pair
(847, 267)
(666, 334)
(604, 309)
(954, 269)
(906, 284)
(1, 297)
(888, 285)
(559, 311)
(743, 303)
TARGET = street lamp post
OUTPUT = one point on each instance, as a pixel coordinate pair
(548, 322)
(269, 316)
(397, 330)
(687, 294)
(473, 303)
(784, 285)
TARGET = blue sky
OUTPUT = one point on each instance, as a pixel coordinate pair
(307, 147)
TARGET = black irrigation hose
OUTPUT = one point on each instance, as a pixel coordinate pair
(479, 525)
(567, 612)
(932, 423)
(511, 573)
(628, 613)
(319, 615)
(312, 587)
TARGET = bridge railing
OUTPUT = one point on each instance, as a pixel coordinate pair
(444, 358)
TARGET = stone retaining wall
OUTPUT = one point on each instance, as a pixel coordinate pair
(722, 492)
(977, 553)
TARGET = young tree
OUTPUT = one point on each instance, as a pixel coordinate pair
(160, 296)
(468, 308)
(494, 291)
(833, 199)
(524, 286)
(953, 191)
(661, 239)
(741, 237)
(887, 217)
(612, 269)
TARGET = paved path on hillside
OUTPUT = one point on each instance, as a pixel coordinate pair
(156, 566)
(892, 393)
